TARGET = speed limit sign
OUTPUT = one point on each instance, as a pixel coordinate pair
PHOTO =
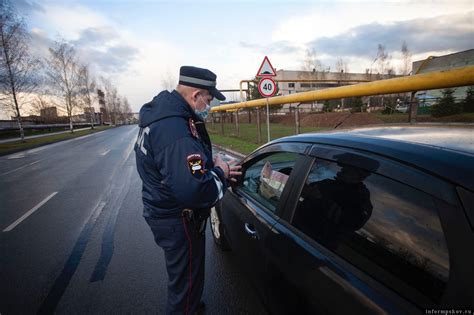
(267, 87)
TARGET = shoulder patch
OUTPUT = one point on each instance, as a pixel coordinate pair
(195, 164)
(192, 128)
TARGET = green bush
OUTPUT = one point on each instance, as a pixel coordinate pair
(446, 106)
(388, 110)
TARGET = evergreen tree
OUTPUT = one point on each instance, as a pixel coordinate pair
(253, 91)
(356, 105)
(468, 102)
(446, 106)
(327, 107)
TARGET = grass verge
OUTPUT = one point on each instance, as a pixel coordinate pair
(247, 140)
(12, 147)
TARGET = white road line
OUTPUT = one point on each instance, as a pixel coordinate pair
(16, 156)
(104, 153)
(30, 212)
(128, 151)
(19, 168)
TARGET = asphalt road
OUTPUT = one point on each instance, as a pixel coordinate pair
(73, 240)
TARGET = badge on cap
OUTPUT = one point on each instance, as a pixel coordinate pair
(192, 128)
(195, 164)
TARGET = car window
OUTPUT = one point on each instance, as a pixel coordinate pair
(266, 179)
(385, 228)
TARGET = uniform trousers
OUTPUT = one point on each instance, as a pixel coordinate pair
(184, 248)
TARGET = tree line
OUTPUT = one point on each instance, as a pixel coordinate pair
(59, 80)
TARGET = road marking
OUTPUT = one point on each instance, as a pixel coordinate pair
(16, 156)
(19, 168)
(104, 153)
(30, 212)
(127, 152)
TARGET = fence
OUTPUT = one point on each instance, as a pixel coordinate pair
(13, 125)
(427, 81)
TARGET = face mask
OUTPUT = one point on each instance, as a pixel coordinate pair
(203, 113)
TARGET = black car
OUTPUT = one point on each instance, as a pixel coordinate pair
(351, 224)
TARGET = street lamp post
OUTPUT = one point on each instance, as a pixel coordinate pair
(370, 71)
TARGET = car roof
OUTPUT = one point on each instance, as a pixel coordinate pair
(453, 165)
(445, 136)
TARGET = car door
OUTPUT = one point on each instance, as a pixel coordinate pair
(374, 245)
(249, 209)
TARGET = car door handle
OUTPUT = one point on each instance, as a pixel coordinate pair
(250, 229)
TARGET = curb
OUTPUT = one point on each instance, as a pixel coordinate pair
(232, 152)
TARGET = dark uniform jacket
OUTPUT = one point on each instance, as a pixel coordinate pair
(174, 159)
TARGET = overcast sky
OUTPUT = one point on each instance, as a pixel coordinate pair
(140, 44)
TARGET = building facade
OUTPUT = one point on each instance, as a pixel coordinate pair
(439, 63)
(49, 114)
(291, 81)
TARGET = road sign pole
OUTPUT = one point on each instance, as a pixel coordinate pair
(259, 129)
(267, 88)
(268, 122)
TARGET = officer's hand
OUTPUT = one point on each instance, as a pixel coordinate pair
(234, 170)
(219, 162)
(230, 169)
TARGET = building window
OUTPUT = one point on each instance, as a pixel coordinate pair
(291, 85)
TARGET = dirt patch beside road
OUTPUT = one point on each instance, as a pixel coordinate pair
(350, 120)
(329, 120)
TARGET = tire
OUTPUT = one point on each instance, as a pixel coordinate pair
(218, 230)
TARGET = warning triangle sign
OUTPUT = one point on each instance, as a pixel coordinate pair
(266, 69)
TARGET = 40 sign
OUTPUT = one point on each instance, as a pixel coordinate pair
(267, 87)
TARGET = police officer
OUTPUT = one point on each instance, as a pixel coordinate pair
(181, 182)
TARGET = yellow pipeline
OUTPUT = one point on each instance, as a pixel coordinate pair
(420, 82)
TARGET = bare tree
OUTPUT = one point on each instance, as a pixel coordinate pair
(126, 109)
(87, 91)
(311, 65)
(17, 67)
(341, 65)
(111, 99)
(41, 102)
(342, 68)
(63, 73)
(383, 59)
(406, 55)
(114, 104)
(311, 62)
(120, 108)
(38, 104)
